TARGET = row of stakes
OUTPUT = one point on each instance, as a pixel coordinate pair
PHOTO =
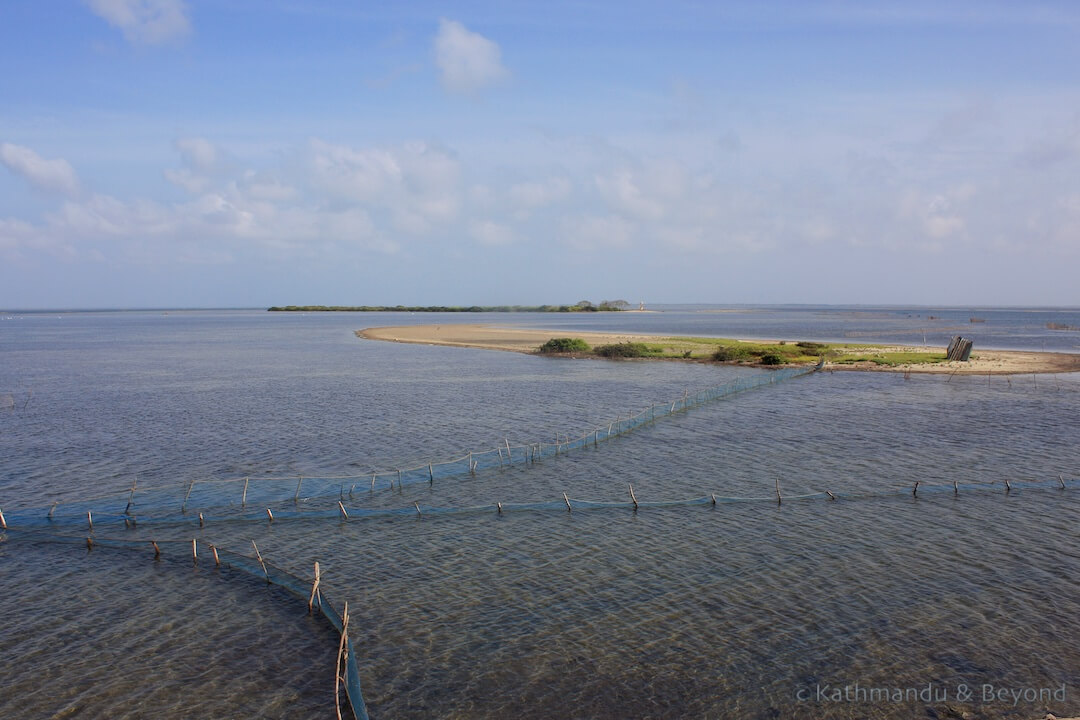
(130, 522)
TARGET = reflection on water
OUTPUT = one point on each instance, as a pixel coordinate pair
(693, 611)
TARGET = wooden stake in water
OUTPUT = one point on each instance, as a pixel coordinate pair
(499, 506)
(217, 560)
(632, 496)
(418, 513)
(314, 588)
(258, 556)
(1062, 481)
(243, 498)
(567, 501)
(509, 457)
(269, 514)
(157, 550)
(53, 509)
(194, 552)
(713, 496)
(131, 497)
(431, 475)
(183, 508)
(372, 481)
(340, 656)
(1008, 487)
(779, 500)
(201, 522)
(299, 482)
(831, 496)
(89, 544)
(90, 521)
(915, 490)
(342, 509)
(955, 488)
(3, 522)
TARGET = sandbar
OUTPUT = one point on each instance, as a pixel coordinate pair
(527, 340)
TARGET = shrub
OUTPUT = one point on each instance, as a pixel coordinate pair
(812, 348)
(564, 345)
(772, 359)
(727, 353)
(624, 350)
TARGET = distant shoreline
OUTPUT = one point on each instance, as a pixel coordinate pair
(491, 337)
(451, 308)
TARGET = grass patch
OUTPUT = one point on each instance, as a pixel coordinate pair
(892, 359)
(564, 345)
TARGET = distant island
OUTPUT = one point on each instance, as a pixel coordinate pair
(579, 306)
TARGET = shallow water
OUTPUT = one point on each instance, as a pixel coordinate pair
(685, 611)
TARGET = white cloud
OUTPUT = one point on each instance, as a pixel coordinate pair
(54, 175)
(529, 196)
(487, 232)
(145, 22)
(593, 231)
(198, 153)
(467, 60)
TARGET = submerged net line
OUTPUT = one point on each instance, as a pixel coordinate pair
(262, 492)
(565, 503)
(253, 566)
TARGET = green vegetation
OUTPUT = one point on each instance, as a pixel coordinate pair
(564, 345)
(892, 359)
(580, 306)
(628, 350)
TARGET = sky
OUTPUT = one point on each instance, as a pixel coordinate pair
(247, 153)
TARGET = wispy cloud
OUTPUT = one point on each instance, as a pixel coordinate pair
(145, 22)
(55, 175)
(467, 60)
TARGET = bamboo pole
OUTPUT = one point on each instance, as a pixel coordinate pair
(1008, 487)
(915, 490)
(567, 501)
(3, 522)
(831, 496)
(157, 550)
(779, 500)
(713, 499)
(509, 457)
(955, 488)
(418, 513)
(314, 588)
(194, 552)
(430, 474)
(269, 514)
(202, 523)
(341, 653)
(372, 481)
(341, 507)
(258, 556)
(131, 497)
(217, 560)
(243, 498)
(499, 505)
(183, 508)
(632, 496)
(90, 520)
(52, 510)
(299, 482)
(1062, 481)
(89, 543)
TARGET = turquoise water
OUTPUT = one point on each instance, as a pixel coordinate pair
(733, 610)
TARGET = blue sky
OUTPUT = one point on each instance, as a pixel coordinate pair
(243, 153)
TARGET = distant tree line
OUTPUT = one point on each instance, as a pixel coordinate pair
(580, 306)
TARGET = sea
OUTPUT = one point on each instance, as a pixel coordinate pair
(883, 546)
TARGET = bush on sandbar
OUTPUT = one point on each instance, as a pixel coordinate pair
(564, 345)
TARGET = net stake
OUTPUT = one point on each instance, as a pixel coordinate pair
(431, 475)
(713, 498)
(314, 588)
(341, 652)
(341, 507)
(1062, 481)
(499, 505)
(567, 501)
(632, 496)
(217, 560)
(472, 468)
(955, 488)
(243, 498)
(53, 509)
(372, 481)
(202, 523)
(269, 514)
(418, 513)
(90, 520)
(183, 508)
(89, 544)
(3, 522)
(509, 457)
(258, 556)
(1008, 487)
(194, 552)
(831, 496)
(131, 497)
(299, 482)
(779, 500)
(915, 490)
(157, 550)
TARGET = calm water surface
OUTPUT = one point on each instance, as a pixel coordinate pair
(737, 610)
